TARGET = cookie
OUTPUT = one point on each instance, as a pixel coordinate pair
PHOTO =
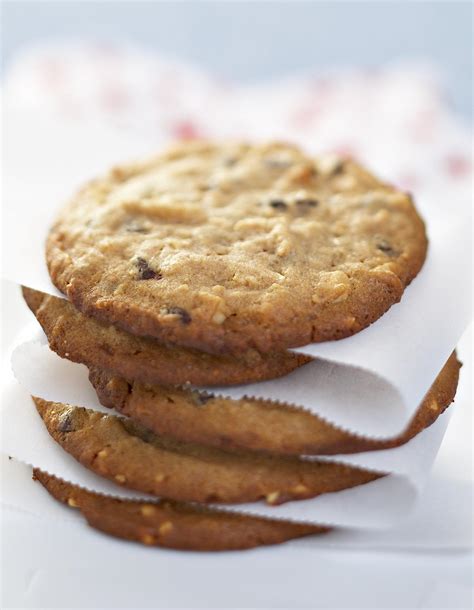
(172, 524)
(255, 424)
(230, 247)
(83, 339)
(129, 454)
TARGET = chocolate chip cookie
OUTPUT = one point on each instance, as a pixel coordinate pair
(172, 524)
(125, 452)
(86, 340)
(256, 424)
(230, 247)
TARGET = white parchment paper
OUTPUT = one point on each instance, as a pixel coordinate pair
(442, 516)
(378, 504)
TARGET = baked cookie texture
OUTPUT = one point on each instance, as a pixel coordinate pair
(231, 247)
(255, 424)
(127, 453)
(172, 524)
(86, 340)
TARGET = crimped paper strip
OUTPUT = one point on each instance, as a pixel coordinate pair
(378, 504)
(432, 527)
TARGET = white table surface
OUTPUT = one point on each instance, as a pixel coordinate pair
(50, 563)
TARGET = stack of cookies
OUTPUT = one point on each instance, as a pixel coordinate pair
(203, 267)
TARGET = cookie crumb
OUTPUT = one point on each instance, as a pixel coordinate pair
(147, 510)
(300, 489)
(165, 528)
(273, 497)
(331, 164)
(218, 317)
(148, 539)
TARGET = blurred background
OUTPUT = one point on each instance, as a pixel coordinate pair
(251, 41)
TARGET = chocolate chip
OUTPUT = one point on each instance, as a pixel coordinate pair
(107, 349)
(182, 313)
(201, 398)
(306, 203)
(278, 204)
(145, 272)
(384, 246)
(230, 161)
(65, 423)
(338, 168)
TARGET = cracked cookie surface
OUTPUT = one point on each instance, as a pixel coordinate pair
(236, 246)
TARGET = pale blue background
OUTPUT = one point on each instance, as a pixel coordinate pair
(254, 40)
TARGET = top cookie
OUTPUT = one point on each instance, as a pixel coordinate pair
(235, 246)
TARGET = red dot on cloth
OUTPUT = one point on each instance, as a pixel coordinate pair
(115, 98)
(422, 126)
(303, 117)
(322, 86)
(407, 181)
(345, 150)
(185, 130)
(52, 72)
(457, 165)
